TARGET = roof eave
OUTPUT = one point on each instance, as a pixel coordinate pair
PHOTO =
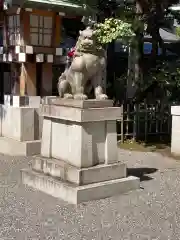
(60, 6)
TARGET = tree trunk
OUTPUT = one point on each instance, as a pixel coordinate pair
(131, 85)
(110, 70)
(139, 64)
(138, 59)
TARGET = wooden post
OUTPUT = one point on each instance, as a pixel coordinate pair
(22, 80)
(57, 35)
(46, 87)
(122, 124)
(28, 79)
(135, 122)
(31, 86)
(146, 120)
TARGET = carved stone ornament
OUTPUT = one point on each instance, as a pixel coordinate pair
(86, 72)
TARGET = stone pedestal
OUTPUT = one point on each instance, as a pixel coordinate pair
(79, 158)
(175, 134)
(20, 130)
(22, 101)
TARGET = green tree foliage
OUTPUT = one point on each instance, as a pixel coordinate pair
(129, 21)
(178, 31)
(112, 29)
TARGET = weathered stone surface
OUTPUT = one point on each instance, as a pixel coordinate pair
(20, 130)
(48, 99)
(80, 143)
(19, 148)
(90, 103)
(77, 194)
(68, 113)
(111, 152)
(18, 123)
(175, 110)
(175, 133)
(81, 176)
(80, 146)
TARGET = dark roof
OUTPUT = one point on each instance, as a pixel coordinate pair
(56, 5)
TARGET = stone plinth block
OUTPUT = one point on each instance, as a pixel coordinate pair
(82, 104)
(20, 130)
(18, 123)
(83, 137)
(77, 194)
(82, 111)
(13, 147)
(175, 133)
(22, 101)
(48, 99)
(79, 158)
(80, 176)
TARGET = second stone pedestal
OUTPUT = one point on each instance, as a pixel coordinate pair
(20, 130)
(175, 132)
(79, 158)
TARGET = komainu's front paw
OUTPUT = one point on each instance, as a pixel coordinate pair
(102, 97)
(80, 97)
(68, 96)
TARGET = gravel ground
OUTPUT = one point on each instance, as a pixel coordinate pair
(150, 213)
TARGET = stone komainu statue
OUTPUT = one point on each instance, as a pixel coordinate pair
(87, 69)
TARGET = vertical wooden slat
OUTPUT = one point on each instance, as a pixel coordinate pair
(22, 80)
(25, 27)
(146, 121)
(157, 112)
(31, 84)
(138, 120)
(47, 74)
(58, 26)
(127, 119)
(122, 124)
(6, 38)
(135, 121)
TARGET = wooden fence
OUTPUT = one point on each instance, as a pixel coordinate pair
(145, 122)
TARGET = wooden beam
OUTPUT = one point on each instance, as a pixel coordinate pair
(58, 28)
(13, 11)
(25, 27)
(42, 13)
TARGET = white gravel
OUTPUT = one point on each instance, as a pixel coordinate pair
(153, 212)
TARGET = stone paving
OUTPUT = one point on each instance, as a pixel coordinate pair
(153, 212)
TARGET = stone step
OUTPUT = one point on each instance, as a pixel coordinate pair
(16, 148)
(80, 176)
(76, 194)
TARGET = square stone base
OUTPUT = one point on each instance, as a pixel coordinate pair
(17, 148)
(20, 130)
(20, 123)
(75, 194)
(80, 176)
(79, 155)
